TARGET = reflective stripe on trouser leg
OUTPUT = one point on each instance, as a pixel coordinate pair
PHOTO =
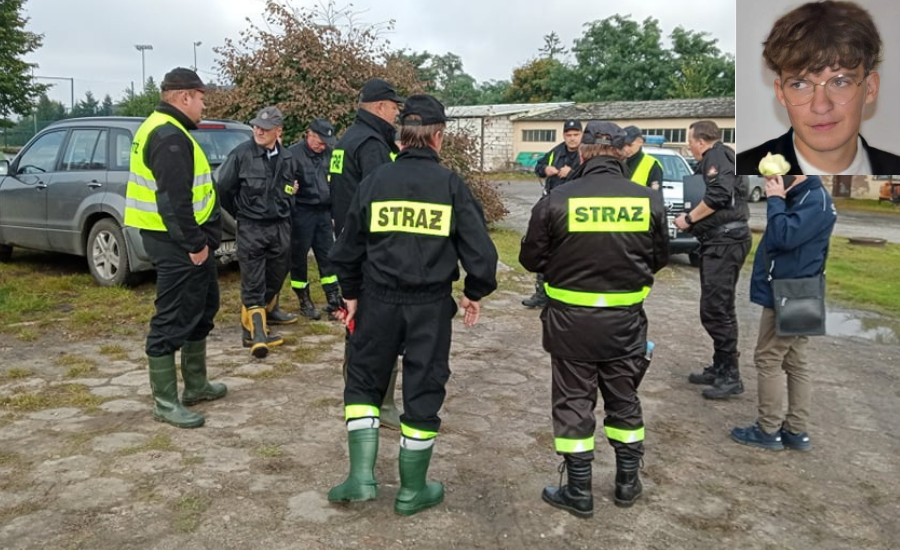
(416, 440)
(574, 397)
(329, 279)
(360, 417)
(300, 285)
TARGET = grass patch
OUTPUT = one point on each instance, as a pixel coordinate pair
(326, 402)
(27, 334)
(508, 243)
(865, 205)
(66, 395)
(9, 458)
(308, 354)
(192, 460)
(269, 451)
(114, 351)
(189, 509)
(160, 441)
(18, 374)
(518, 175)
(78, 366)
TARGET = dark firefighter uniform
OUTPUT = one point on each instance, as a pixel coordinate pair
(170, 197)
(257, 188)
(311, 221)
(365, 146)
(724, 244)
(408, 228)
(599, 240)
(558, 157)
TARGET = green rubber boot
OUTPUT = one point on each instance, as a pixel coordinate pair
(193, 369)
(360, 484)
(390, 414)
(164, 385)
(415, 493)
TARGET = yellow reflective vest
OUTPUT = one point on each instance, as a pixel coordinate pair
(642, 171)
(141, 210)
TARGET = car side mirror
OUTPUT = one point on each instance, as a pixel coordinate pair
(4, 167)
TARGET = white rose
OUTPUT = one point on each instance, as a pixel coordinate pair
(774, 165)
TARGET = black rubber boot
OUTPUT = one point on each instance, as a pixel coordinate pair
(164, 385)
(539, 298)
(254, 321)
(575, 496)
(333, 297)
(728, 382)
(277, 316)
(272, 339)
(360, 483)
(307, 308)
(628, 481)
(707, 377)
(193, 369)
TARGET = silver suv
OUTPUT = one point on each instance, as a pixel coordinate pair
(65, 192)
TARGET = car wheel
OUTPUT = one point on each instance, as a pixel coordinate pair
(756, 194)
(107, 254)
(694, 258)
(5, 252)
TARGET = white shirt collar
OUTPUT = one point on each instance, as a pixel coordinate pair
(859, 167)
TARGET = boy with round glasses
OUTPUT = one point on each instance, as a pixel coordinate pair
(824, 55)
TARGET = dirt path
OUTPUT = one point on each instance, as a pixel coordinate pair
(93, 471)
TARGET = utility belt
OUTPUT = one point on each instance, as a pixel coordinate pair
(723, 230)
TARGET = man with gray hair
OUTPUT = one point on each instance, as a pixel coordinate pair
(599, 239)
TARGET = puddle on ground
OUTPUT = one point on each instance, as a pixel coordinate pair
(878, 328)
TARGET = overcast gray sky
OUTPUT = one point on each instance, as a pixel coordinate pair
(93, 41)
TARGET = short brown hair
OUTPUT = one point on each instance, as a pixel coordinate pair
(821, 35)
(589, 151)
(418, 136)
(706, 130)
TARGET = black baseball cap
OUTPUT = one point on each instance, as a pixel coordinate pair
(379, 90)
(572, 124)
(268, 118)
(632, 133)
(180, 78)
(324, 129)
(427, 107)
(596, 129)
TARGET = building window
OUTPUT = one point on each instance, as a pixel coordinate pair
(888, 178)
(728, 135)
(539, 135)
(671, 135)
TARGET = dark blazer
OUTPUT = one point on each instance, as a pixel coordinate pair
(883, 163)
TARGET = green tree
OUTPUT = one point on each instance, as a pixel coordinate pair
(701, 70)
(442, 75)
(552, 46)
(17, 87)
(491, 92)
(537, 81)
(89, 106)
(619, 59)
(106, 108)
(141, 104)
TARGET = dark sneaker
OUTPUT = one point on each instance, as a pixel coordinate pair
(756, 437)
(798, 442)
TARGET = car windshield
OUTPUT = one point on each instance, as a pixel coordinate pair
(674, 167)
(218, 142)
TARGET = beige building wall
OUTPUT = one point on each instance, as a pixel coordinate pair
(861, 187)
(520, 146)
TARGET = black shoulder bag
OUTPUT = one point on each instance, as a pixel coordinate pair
(799, 303)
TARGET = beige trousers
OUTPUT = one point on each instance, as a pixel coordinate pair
(773, 355)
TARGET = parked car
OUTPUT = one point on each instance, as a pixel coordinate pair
(756, 188)
(675, 168)
(65, 192)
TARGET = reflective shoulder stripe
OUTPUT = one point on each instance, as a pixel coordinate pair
(596, 299)
(624, 436)
(608, 214)
(564, 445)
(393, 156)
(423, 218)
(360, 411)
(337, 162)
(409, 431)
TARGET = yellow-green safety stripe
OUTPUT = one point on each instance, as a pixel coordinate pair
(408, 431)
(329, 279)
(352, 412)
(625, 436)
(596, 299)
(642, 171)
(564, 445)
(299, 284)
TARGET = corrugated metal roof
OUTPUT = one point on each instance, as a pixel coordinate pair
(504, 109)
(711, 107)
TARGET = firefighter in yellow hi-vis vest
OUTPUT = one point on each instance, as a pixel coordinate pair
(598, 240)
(645, 169)
(170, 197)
(407, 229)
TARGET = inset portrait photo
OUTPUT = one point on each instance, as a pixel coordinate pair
(817, 83)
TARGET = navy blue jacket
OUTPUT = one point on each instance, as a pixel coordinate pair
(796, 240)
